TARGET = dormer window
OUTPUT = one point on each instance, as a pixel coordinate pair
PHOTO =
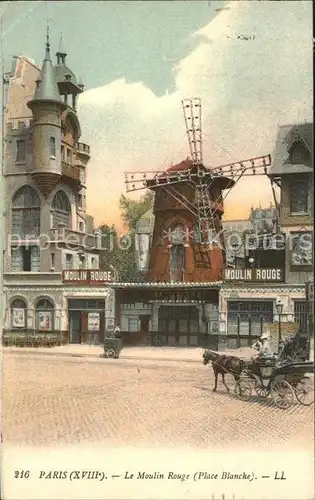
(68, 78)
(299, 154)
(52, 147)
(299, 196)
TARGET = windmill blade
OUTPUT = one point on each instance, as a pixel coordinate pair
(141, 180)
(253, 166)
(192, 116)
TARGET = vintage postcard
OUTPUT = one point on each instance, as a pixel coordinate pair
(157, 292)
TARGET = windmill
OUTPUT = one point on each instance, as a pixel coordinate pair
(210, 186)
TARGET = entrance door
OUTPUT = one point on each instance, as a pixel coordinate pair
(75, 327)
(179, 324)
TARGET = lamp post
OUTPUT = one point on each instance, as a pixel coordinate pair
(251, 261)
(279, 307)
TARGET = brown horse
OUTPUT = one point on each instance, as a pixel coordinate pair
(223, 364)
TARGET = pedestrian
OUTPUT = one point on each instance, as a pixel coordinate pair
(117, 333)
(265, 348)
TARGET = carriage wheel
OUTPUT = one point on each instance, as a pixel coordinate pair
(243, 390)
(282, 394)
(261, 391)
(304, 391)
(110, 353)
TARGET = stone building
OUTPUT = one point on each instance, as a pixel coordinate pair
(247, 301)
(46, 225)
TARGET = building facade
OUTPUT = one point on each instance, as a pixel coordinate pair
(268, 261)
(47, 227)
(285, 246)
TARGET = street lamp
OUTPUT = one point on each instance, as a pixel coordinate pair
(279, 307)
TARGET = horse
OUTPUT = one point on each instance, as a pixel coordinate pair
(222, 364)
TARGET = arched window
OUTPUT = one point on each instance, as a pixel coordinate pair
(52, 147)
(61, 210)
(177, 254)
(18, 313)
(26, 213)
(44, 315)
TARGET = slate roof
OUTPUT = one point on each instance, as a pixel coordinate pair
(280, 155)
(47, 89)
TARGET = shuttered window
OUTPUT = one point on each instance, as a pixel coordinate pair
(61, 210)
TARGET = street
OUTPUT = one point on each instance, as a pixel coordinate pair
(50, 400)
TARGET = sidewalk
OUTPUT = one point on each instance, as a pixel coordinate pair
(188, 354)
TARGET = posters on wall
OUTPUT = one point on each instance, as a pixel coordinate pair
(45, 321)
(110, 323)
(18, 318)
(93, 322)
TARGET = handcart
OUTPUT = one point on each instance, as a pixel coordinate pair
(112, 347)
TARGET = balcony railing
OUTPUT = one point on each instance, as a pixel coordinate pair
(83, 148)
(70, 171)
(73, 238)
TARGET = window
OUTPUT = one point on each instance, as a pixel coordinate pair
(20, 151)
(299, 197)
(25, 216)
(68, 155)
(18, 313)
(69, 261)
(246, 318)
(93, 263)
(52, 147)
(44, 315)
(81, 227)
(299, 154)
(80, 200)
(61, 210)
(302, 248)
(52, 260)
(133, 324)
(177, 254)
(25, 259)
(62, 153)
(300, 314)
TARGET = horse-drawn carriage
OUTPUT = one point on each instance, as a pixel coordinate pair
(285, 382)
(286, 377)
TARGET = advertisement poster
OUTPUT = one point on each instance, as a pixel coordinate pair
(172, 118)
(93, 322)
(45, 320)
(110, 323)
(18, 318)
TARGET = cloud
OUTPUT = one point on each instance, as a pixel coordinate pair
(252, 69)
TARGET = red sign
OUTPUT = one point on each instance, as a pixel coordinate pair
(87, 276)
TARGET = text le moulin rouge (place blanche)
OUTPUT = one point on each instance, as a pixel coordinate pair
(98, 475)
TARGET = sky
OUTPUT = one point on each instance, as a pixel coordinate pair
(139, 59)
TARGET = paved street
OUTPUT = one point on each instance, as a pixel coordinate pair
(57, 400)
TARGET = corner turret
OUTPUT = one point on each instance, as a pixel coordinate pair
(46, 107)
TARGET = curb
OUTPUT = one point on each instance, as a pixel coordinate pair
(99, 356)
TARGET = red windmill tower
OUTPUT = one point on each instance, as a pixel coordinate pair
(187, 243)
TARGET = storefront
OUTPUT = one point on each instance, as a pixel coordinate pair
(77, 307)
(167, 313)
(86, 321)
(249, 299)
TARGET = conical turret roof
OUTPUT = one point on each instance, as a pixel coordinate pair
(61, 50)
(47, 88)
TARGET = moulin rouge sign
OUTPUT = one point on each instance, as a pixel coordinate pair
(87, 276)
(254, 275)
